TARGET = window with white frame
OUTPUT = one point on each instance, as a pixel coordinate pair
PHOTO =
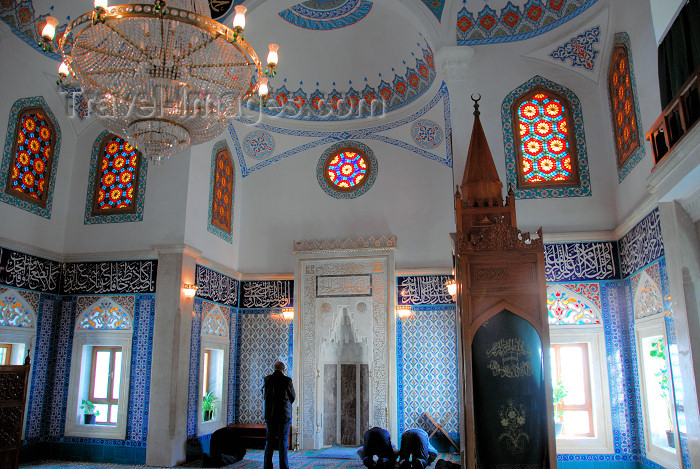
(579, 373)
(660, 436)
(99, 379)
(213, 370)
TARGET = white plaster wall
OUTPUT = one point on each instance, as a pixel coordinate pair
(27, 73)
(197, 213)
(411, 198)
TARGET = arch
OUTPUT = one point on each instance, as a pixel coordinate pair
(565, 306)
(31, 152)
(497, 308)
(104, 315)
(15, 311)
(648, 299)
(215, 323)
(544, 141)
(221, 192)
(116, 189)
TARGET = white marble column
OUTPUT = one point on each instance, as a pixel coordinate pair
(170, 362)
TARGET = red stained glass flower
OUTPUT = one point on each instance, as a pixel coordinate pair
(29, 124)
(108, 179)
(112, 148)
(542, 128)
(332, 175)
(28, 179)
(347, 169)
(529, 111)
(533, 147)
(556, 145)
(20, 138)
(115, 194)
(45, 133)
(527, 166)
(23, 158)
(553, 109)
(536, 178)
(46, 152)
(125, 177)
(34, 145)
(562, 128)
(39, 166)
(119, 162)
(566, 163)
(524, 130)
(101, 195)
(104, 165)
(560, 177)
(546, 164)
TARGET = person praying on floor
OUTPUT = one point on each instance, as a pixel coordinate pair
(378, 452)
(279, 396)
(416, 451)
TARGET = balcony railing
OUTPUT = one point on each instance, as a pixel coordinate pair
(677, 118)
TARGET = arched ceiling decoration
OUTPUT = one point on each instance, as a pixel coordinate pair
(256, 147)
(326, 14)
(514, 22)
(435, 6)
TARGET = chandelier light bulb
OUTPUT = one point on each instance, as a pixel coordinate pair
(49, 30)
(262, 87)
(272, 56)
(63, 69)
(451, 287)
(101, 4)
(239, 19)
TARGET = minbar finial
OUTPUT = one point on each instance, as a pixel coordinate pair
(476, 104)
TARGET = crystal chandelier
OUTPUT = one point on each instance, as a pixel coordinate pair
(163, 76)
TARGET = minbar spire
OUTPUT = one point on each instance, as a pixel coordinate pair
(479, 200)
(480, 184)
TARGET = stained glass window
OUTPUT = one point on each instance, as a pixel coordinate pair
(13, 313)
(215, 323)
(346, 169)
(626, 132)
(222, 201)
(117, 177)
(32, 157)
(105, 315)
(565, 308)
(545, 148)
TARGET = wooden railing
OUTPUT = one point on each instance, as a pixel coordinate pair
(676, 120)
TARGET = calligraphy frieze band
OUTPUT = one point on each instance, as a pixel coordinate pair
(340, 286)
(267, 293)
(423, 290)
(217, 287)
(26, 271)
(575, 262)
(109, 277)
(642, 244)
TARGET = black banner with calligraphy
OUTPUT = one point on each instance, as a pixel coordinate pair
(510, 410)
(423, 290)
(98, 278)
(216, 287)
(267, 293)
(581, 262)
(30, 272)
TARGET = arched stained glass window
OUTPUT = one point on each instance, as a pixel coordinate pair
(116, 178)
(545, 150)
(32, 156)
(622, 103)
(215, 323)
(14, 311)
(222, 199)
(105, 314)
(566, 307)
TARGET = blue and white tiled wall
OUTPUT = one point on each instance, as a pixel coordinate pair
(63, 291)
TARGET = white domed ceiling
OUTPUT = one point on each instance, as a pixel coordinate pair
(347, 59)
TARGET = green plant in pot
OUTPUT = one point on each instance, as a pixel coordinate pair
(209, 401)
(559, 392)
(89, 411)
(658, 350)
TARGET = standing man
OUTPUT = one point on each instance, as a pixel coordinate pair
(279, 396)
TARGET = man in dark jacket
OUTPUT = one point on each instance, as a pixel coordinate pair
(279, 396)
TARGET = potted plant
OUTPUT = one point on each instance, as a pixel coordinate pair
(209, 405)
(89, 411)
(658, 350)
(559, 392)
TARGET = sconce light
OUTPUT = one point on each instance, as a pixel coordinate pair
(451, 285)
(288, 313)
(47, 34)
(403, 311)
(190, 289)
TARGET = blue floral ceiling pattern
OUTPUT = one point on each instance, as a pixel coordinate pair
(514, 24)
(324, 15)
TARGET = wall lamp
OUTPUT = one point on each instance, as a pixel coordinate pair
(190, 289)
(403, 311)
(451, 285)
(288, 313)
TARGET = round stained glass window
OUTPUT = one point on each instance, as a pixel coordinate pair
(347, 169)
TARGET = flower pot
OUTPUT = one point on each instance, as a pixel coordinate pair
(89, 419)
(557, 428)
(671, 439)
(208, 415)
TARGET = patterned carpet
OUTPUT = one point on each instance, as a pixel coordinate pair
(252, 460)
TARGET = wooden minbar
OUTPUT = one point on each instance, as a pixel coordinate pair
(14, 380)
(506, 392)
